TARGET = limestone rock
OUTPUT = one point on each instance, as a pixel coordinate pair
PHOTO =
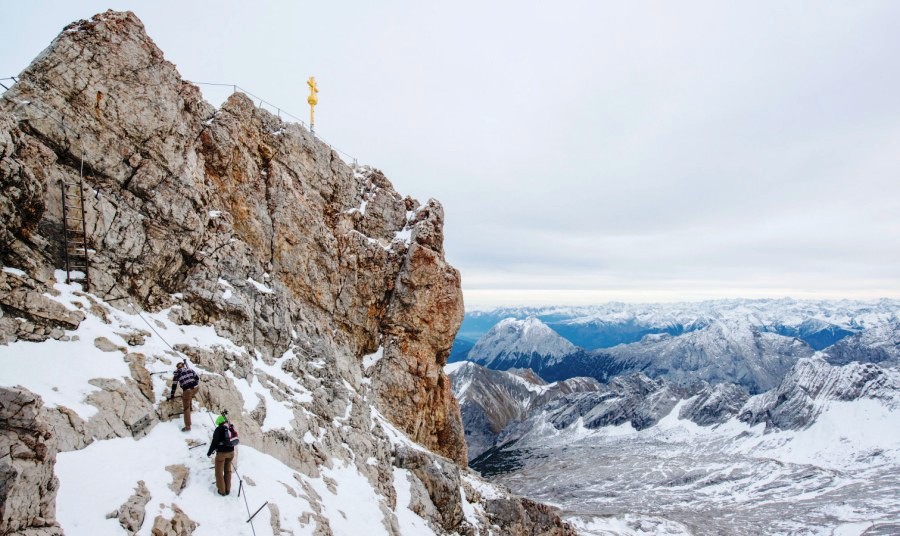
(284, 249)
(274, 518)
(523, 517)
(714, 404)
(140, 374)
(420, 500)
(122, 410)
(424, 315)
(27, 455)
(441, 480)
(132, 512)
(105, 344)
(70, 429)
(24, 298)
(179, 525)
(809, 387)
(180, 475)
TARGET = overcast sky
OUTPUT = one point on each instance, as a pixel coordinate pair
(585, 151)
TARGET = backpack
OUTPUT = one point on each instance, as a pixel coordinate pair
(231, 435)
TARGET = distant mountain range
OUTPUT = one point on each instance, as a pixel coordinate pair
(752, 343)
(818, 323)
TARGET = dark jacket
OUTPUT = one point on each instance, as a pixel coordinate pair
(220, 441)
(186, 377)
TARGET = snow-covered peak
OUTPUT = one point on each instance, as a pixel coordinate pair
(511, 339)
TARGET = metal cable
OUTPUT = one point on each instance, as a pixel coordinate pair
(278, 108)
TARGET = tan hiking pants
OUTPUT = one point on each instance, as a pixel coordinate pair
(223, 471)
(186, 398)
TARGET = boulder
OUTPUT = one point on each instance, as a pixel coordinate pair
(28, 485)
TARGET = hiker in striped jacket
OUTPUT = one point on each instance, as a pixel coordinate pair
(189, 382)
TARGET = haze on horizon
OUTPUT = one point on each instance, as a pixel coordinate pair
(591, 152)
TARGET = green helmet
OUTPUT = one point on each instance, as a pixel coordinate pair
(219, 420)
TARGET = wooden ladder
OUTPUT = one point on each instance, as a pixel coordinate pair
(75, 232)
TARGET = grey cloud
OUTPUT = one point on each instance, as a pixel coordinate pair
(658, 149)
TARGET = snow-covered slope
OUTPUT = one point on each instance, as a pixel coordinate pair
(818, 455)
(877, 344)
(527, 343)
(128, 458)
(724, 351)
(813, 385)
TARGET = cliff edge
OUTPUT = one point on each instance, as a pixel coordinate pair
(320, 302)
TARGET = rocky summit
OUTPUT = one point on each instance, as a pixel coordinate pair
(322, 307)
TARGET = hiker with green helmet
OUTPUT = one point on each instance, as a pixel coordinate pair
(224, 440)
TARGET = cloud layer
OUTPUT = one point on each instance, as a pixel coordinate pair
(630, 150)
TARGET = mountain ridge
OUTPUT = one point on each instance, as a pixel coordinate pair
(314, 301)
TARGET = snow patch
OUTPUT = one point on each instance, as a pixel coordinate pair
(228, 289)
(259, 286)
(844, 433)
(278, 414)
(628, 525)
(370, 360)
(450, 368)
(353, 506)
(409, 522)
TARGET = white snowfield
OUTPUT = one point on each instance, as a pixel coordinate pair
(99, 478)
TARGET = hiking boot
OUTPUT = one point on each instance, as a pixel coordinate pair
(223, 494)
(186, 429)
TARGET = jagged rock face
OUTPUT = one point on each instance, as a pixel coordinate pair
(29, 315)
(423, 315)
(880, 344)
(714, 404)
(521, 516)
(262, 229)
(722, 352)
(811, 384)
(27, 455)
(492, 400)
(635, 399)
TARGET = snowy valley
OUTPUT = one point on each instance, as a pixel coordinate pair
(651, 448)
